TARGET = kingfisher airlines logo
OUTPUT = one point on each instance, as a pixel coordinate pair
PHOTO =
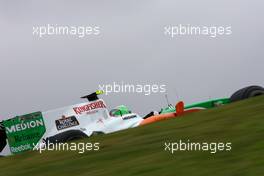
(91, 106)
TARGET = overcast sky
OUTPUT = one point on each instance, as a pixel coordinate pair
(51, 72)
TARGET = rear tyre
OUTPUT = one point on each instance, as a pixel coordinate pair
(67, 136)
(247, 92)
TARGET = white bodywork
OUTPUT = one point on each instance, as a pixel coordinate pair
(91, 116)
(90, 119)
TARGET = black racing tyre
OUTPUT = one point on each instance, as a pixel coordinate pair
(247, 92)
(237, 95)
(66, 136)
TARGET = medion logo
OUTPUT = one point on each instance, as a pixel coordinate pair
(24, 126)
(89, 107)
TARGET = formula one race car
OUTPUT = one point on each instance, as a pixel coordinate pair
(23, 133)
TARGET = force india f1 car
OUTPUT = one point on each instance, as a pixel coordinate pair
(22, 133)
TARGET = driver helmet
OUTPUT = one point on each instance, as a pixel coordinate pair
(120, 111)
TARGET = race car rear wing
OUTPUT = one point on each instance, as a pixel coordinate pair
(93, 96)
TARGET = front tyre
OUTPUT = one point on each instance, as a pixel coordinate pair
(67, 136)
(247, 92)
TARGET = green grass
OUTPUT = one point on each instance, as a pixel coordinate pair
(140, 151)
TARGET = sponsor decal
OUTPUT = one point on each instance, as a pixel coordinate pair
(24, 126)
(20, 148)
(92, 112)
(66, 122)
(87, 108)
(23, 131)
(129, 117)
